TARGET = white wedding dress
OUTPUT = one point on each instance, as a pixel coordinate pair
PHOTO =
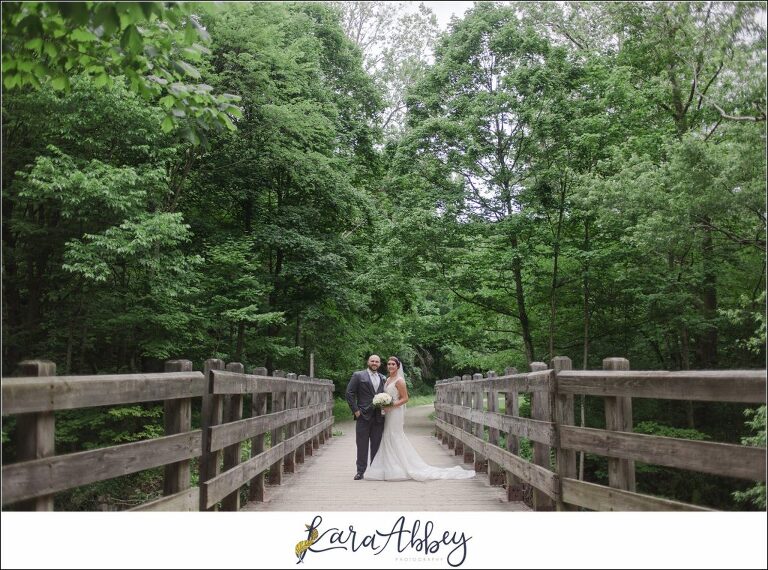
(397, 460)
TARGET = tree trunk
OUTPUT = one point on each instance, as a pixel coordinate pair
(273, 330)
(556, 258)
(686, 365)
(585, 356)
(517, 271)
(708, 343)
(240, 341)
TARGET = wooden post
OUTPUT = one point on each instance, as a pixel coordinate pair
(444, 399)
(466, 402)
(312, 364)
(301, 425)
(512, 408)
(36, 432)
(310, 421)
(478, 429)
(278, 405)
(316, 419)
(541, 409)
(329, 413)
(177, 418)
(495, 473)
(449, 398)
(447, 417)
(457, 395)
(439, 415)
(258, 408)
(564, 415)
(618, 417)
(289, 461)
(210, 416)
(233, 411)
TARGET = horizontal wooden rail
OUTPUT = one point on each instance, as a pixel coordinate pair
(187, 500)
(49, 393)
(222, 485)
(743, 386)
(29, 479)
(238, 431)
(536, 430)
(726, 459)
(600, 498)
(461, 426)
(33, 481)
(236, 383)
(540, 381)
(534, 475)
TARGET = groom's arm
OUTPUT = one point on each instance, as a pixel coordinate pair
(352, 394)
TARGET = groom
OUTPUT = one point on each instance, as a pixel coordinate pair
(362, 387)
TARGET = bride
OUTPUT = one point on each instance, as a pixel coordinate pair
(396, 459)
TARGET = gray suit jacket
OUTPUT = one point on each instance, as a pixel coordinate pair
(360, 395)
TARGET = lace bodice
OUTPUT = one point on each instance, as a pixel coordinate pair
(392, 391)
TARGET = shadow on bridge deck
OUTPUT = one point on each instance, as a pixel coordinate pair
(324, 482)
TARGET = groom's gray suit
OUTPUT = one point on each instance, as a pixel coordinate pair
(370, 424)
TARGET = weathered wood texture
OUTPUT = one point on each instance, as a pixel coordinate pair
(232, 383)
(276, 435)
(258, 408)
(565, 459)
(553, 426)
(512, 411)
(726, 459)
(53, 474)
(177, 418)
(535, 430)
(210, 415)
(236, 431)
(36, 431)
(229, 481)
(744, 386)
(187, 500)
(539, 477)
(32, 482)
(233, 411)
(600, 498)
(618, 417)
(534, 381)
(495, 473)
(542, 409)
(24, 395)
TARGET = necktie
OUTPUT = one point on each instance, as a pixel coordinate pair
(375, 381)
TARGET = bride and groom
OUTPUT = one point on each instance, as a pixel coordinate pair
(393, 458)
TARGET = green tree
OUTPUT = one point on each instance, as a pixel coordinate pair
(152, 44)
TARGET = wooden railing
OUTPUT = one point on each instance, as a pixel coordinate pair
(462, 421)
(299, 421)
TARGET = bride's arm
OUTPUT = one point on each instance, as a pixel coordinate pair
(402, 392)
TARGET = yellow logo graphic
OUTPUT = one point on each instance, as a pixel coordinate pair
(303, 546)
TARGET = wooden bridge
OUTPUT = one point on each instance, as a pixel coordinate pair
(307, 469)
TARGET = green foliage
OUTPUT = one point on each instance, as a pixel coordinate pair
(341, 410)
(150, 43)
(756, 494)
(566, 181)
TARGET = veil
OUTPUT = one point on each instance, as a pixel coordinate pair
(400, 371)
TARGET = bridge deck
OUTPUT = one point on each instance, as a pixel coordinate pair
(324, 482)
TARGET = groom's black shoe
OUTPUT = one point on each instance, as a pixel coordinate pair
(358, 476)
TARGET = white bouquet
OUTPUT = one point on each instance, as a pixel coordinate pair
(382, 400)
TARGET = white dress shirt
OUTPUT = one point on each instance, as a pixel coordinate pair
(374, 379)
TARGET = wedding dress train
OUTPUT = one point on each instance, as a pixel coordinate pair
(397, 460)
